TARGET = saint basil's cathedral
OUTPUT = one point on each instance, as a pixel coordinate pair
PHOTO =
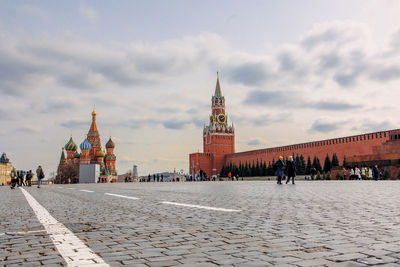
(91, 153)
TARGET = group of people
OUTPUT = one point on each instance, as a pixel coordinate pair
(24, 178)
(363, 173)
(281, 168)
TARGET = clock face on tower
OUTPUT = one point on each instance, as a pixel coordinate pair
(211, 119)
(221, 118)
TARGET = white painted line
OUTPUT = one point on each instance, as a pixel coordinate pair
(199, 207)
(115, 195)
(71, 248)
(59, 187)
(70, 188)
(24, 233)
(83, 190)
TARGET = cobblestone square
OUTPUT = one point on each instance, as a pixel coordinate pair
(312, 223)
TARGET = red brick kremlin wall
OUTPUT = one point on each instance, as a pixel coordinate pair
(367, 146)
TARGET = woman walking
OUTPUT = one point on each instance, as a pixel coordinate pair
(291, 170)
(280, 169)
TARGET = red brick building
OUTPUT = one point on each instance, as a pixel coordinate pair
(381, 148)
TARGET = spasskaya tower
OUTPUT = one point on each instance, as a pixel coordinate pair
(218, 139)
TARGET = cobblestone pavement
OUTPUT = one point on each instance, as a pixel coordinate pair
(333, 223)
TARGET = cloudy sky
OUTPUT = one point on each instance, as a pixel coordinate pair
(291, 71)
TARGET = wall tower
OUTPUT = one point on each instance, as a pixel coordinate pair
(218, 138)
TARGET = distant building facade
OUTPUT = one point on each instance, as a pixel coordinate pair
(5, 169)
(91, 153)
(382, 148)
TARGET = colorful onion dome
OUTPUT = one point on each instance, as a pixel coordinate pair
(71, 146)
(85, 145)
(100, 154)
(94, 113)
(110, 144)
(76, 155)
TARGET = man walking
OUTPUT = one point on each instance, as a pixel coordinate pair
(313, 173)
(291, 170)
(280, 169)
(14, 177)
(375, 173)
(28, 178)
(39, 175)
(21, 175)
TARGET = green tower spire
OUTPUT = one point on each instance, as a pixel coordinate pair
(218, 92)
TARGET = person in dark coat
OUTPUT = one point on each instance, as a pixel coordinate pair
(279, 169)
(291, 169)
(375, 173)
(28, 178)
(39, 175)
(21, 175)
(14, 178)
(313, 173)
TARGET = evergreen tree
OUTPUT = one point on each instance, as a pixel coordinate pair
(264, 169)
(344, 161)
(317, 164)
(240, 169)
(314, 163)
(327, 164)
(302, 168)
(235, 170)
(335, 160)
(308, 166)
(257, 169)
(297, 163)
(248, 170)
(319, 168)
(270, 169)
(222, 173)
(254, 169)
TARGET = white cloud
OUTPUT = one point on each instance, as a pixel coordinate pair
(157, 94)
(88, 13)
(32, 10)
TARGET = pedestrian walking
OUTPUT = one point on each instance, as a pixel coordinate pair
(344, 173)
(39, 175)
(370, 174)
(352, 174)
(358, 173)
(375, 172)
(313, 172)
(21, 175)
(291, 170)
(28, 178)
(279, 169)
(363, 173)
(14, 177)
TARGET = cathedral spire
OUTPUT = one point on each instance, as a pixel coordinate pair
(93, 126)
(218, 92)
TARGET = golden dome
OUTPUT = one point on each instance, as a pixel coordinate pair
(100, 154)
(94, 112)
